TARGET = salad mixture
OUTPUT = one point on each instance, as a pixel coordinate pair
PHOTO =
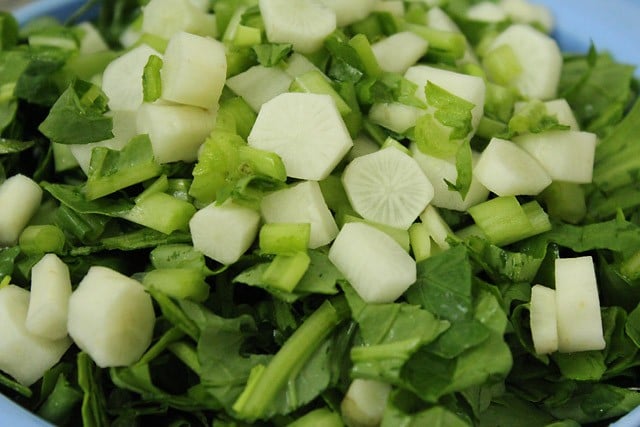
(316, 213)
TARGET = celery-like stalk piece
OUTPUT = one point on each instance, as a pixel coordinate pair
(285, 271)
(40, 239)
(151, 81)
(181, 283)
(502, 220)
(284, 238)
(175, 213)
(420, 241)
(316, 82)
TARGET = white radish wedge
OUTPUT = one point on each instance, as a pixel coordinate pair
(578, 305)
(260, 84)
(111, 317)
(176, 131)
(91, 40)
(20, 197)
(438, 170)
(539, 58)
(302, 203)
(303, 23)
(374, 264)
(348, 12)
(486, 11)
(24, 356)
(394, 7)
(224, 232)
(387, 187)
(526, 12)
(365, 402)
(305, 130)
(362, 146)
(164, 18)
(194, 70)
(298, 64)
(122, 79)
(508, 170)
(395, 116)
(49, 298)
(565, 155)
(399, 51)
(558, 108)
(543, 318)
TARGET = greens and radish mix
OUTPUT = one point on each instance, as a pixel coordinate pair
(320, 212)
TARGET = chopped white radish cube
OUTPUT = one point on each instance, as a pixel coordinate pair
(508, 170)
(24, 356)
(194, 70)
(176, 131)
(260, 84)
(302, 203)
(394, 7)
(374, 264)
(399, 51)
(395, 116)
(486, 11)
(362, 146)
(544, 329)
(111, 317)
(20, 198)
(387, 187)
(348, 12)
(578, 305)
(305, 130)
(527, 12)
(365, 402)
(91, 41)
(224, 232)
(298, 64)
(164, 18)
(122, 79)
(49, 298)
(558, 108)
(303, 23)
(565, 155)
(439, 171)
(539, 59)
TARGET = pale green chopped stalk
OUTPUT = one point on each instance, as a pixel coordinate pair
(41, 239)
(285, 271)
(284, 238)
(502, 220)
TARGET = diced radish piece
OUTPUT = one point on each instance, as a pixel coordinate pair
(49, 299)
(124, 128)
(544, 329)
(565, 155)
(394, 7)
(305, 130)
(470, 88)
(387, 187)
(374, 264)
(224, 232)
(438, 229)
(20, 198)
(559, 108)
(539, 58)
(176, 131)
(348, 12)
(302, 203)
(486, 11)
(91, 40)
(164, 18)
(122, 79)
(260, 84)
(24, 356)
(365, 402)
(298, 64)
(395, 116)
(303, 23)
(439, 20)
(111, 317)
(578, 305)
(399, 51)
(362, 146)
(508, 170)
(194, 70)
(441, 170)
(526, 12)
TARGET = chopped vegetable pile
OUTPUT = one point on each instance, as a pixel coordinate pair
(320, 212)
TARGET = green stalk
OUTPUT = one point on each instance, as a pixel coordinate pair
(187, 354)
(284, 238)
(40, 239)
(261, 390)
(444, 43)
(285, 271)
(322, 417)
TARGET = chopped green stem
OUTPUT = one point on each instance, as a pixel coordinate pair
(316, 82)
(362, 46)
(565, 201)
(453, 45)
(151, 81)
(284, 238)
(40, 239)
(187, 354)
(396, 350)
(630, 267)
(285, 271)
(502, 220)
(178, 283)
(322, 417)
(172, 335)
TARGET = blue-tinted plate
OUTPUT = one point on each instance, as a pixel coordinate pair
(612, 25)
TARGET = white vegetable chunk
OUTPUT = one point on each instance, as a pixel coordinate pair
(20, 198)
(164, 18)
(302, 203)
(24, 356)
(91, 40)
(527, 12)
(486, 11)
(122, 79)
(560, 109)
(387, 187)
(348, 12)
(399, 51)
(394, 7)
(578, 305)
(539, 58)
(111, 317)
(224, 232)
(374, 264)
(176, 131)
(438, 170)
(305, 130)
(194, 70)
(543, 318)
(303, 23)
(508, 170)
(260, 84)
(565, 155)
(298, 64)
(49, 298)
(365, 402)
(395, 116)
(438, 229)
(362, 146)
